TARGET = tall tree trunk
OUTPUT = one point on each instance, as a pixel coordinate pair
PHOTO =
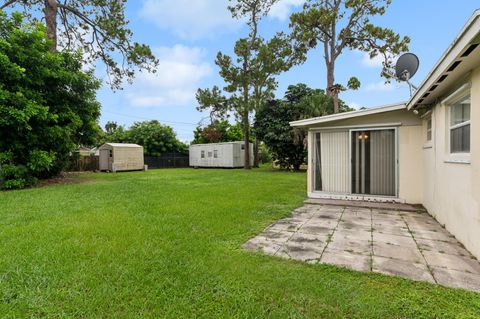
(51, 10)
(246, 139)
(256, 155)
(332, 90)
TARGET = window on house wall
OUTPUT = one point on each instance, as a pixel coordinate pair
(429, 128)
(209, 154)
(215, 154)
(460, 126)
(202, 155)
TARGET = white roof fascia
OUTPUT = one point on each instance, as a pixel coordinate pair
(463, 39)
(123, 145)
(348, 115)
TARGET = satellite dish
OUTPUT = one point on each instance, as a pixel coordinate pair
(406, 67)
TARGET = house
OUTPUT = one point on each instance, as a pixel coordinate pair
(224, 155)
(425, 151)
(116, 157)
(83, 151)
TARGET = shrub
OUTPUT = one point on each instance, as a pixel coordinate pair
(47, 104)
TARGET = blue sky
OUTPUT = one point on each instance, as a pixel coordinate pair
(187, 34)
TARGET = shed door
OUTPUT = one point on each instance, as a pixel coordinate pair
(104, 160)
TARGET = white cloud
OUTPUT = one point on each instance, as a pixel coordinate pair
(380, 87)
(196, 19)
(282, 9)
(376, 62)
(190, 19)
(177, 78)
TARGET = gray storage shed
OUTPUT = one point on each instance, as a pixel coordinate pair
(116, 157)
(226, 155)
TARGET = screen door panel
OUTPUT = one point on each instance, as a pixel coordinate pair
(331, 162)
(373, 162)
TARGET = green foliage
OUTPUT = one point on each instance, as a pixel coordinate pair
(155, 138)
(97, 27)
(273, 129)
(218, 131)
(215, 102)
(113, 135)
(265, 154)
(353, 83)
(47, 104)
(337, 25)
(111, 126)
(286, 144)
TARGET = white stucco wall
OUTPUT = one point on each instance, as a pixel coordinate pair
(410, 164)
(451, 191)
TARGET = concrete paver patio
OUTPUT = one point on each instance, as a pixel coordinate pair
(400, 243)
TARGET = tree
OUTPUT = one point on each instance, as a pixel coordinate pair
(273, 57)
(338, 25)
(111, 126)
(113, 134)
(218, 131)
(48, 104)
(249, 77)
(272, 122)
(98, 27)
(155, 138)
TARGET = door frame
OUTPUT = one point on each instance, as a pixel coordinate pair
(350, 196)
(396, 146)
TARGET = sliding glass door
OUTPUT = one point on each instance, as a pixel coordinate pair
(373, 162)
(357, 162)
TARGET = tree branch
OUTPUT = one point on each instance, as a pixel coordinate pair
(92, 24)
(7, 4)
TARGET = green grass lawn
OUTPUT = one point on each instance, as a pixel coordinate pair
(166, 243)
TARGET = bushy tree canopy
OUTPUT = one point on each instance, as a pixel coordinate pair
(218, 131)
(155, 138)
(272, 122)
(48, 104)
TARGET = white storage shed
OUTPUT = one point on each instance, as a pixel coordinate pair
(226, 155)
(116, 157)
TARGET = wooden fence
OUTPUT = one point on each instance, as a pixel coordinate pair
(84, 164)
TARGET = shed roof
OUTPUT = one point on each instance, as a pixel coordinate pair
(123, 145)
(347, 115)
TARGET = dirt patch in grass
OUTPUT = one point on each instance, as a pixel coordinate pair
(65, 178)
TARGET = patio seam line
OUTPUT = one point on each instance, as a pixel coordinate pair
(421, 252)
(329, 240)
(293, 234)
